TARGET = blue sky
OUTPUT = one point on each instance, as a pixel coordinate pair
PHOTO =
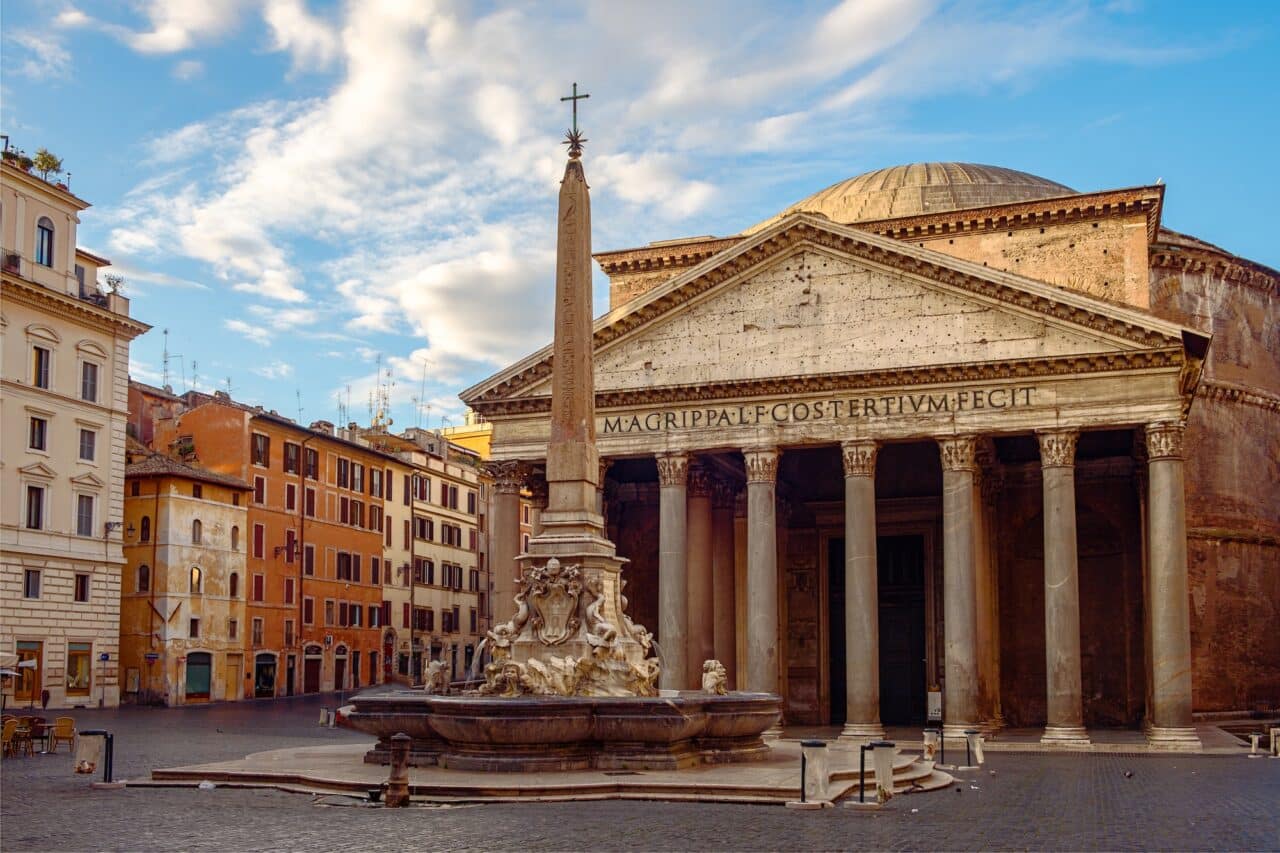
(296, 189)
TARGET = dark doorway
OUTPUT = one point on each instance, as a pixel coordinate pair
(291, 666)
(900, 560)
(311, 674)
(199, 674)
(264, 676)
(835, 631)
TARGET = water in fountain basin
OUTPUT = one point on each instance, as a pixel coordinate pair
(473, 673)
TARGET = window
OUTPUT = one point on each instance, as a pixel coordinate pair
(446, 621)
(145, 534)
(375, 570)
(344, 510)
(193, 628)
(457, 619)
(290, 497)
(233, 629)
(524, 543)
(259, 587)
(525, 508)
(88, 445)
(257, 630)
(344, 473)
(291, 453)
(197, 532)
(79, 668)
(261, 450)
(259, 490)
(473, 620)
(35, 507)
(357, 477)
(344, 566)
(355, 568)
(288, 590)
(312, 458)
(197, 491)
(144, 578)
(308, 610)
(309, 503)
(290, 545)
(390, 481)
(471, 502)
(82, 587)
(89, 381)
(309, 560)
(259, 534)
(473, 581)
(328, 612)
(235, 538)
(44, 241)
(343, 614)
(375, 482)
(84, 515)
(40, 359)
(38, 434)
(473, 540)
(235, 499)
(233, 585)
(288, 632)
(135, 488)
(31, 583)
(408, 491)
(197, 580)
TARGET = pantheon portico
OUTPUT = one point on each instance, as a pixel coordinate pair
(860, 464)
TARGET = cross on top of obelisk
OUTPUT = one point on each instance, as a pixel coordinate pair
(574, 137)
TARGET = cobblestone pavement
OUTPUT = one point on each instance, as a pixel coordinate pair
(1059, 802)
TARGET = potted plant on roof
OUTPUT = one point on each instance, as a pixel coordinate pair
(46, 163)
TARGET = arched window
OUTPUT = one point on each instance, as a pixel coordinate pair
(197, 531)
(145, 535)
(44, 241)
(197, 580)
(144, 577)
(234, 588)
(235, 538)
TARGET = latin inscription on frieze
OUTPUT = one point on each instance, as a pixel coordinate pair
(834, 409)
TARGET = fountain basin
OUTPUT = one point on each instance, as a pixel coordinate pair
(532, 733)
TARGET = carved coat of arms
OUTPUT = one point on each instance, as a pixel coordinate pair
(553, 593)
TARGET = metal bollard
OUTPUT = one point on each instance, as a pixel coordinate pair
(108, 750)
(1275, 742)
(398, 781)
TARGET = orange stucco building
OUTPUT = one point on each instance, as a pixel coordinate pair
(314, 540)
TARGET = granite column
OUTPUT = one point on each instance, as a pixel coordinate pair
(723, 570)
(762, 570)
(701, 644)
(861, 595)
(673, 582)
(959, 591)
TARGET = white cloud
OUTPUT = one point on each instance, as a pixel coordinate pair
(257, 334)
(286, 319)
(188, 69)
(38, 56)
(177, 25)
(274, 370)
(311, 42)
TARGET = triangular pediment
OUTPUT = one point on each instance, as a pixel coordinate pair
(88, 479)
(38, 470)
(808, 297)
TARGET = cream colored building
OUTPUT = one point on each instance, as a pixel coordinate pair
(440, 544)
(63, 409)
(182, 609)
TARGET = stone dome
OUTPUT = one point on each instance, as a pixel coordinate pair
(919, 188)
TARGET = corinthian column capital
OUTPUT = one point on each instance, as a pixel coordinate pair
(958, 453)
(1058, 448)
(762, 465)
(1164, 440)
(699, 482)
(859, 458)
(508, 477)
(673, 468)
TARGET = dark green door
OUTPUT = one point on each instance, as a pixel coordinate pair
(900, 560)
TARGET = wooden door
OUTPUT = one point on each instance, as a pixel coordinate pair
(901, 562)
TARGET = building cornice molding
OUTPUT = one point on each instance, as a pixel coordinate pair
(667, 256)
(30, 293)
(1218, 265)
(986, 371)
(806, 230)
(1224, 392)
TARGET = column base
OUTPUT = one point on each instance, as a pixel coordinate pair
(1174, 738)
(956, 731)
(861, 733)
(1065, 736)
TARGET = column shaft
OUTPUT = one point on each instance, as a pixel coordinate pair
(673, 602)
(724, 639)
(762, 571)
(1170, 712)
(1065, 719)
(861, 595)
(960, 694)
(507, 477)
(701, 644)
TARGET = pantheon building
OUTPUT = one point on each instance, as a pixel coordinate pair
(939, 439)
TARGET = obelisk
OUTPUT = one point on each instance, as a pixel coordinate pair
(573, 464)
(570, 634)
